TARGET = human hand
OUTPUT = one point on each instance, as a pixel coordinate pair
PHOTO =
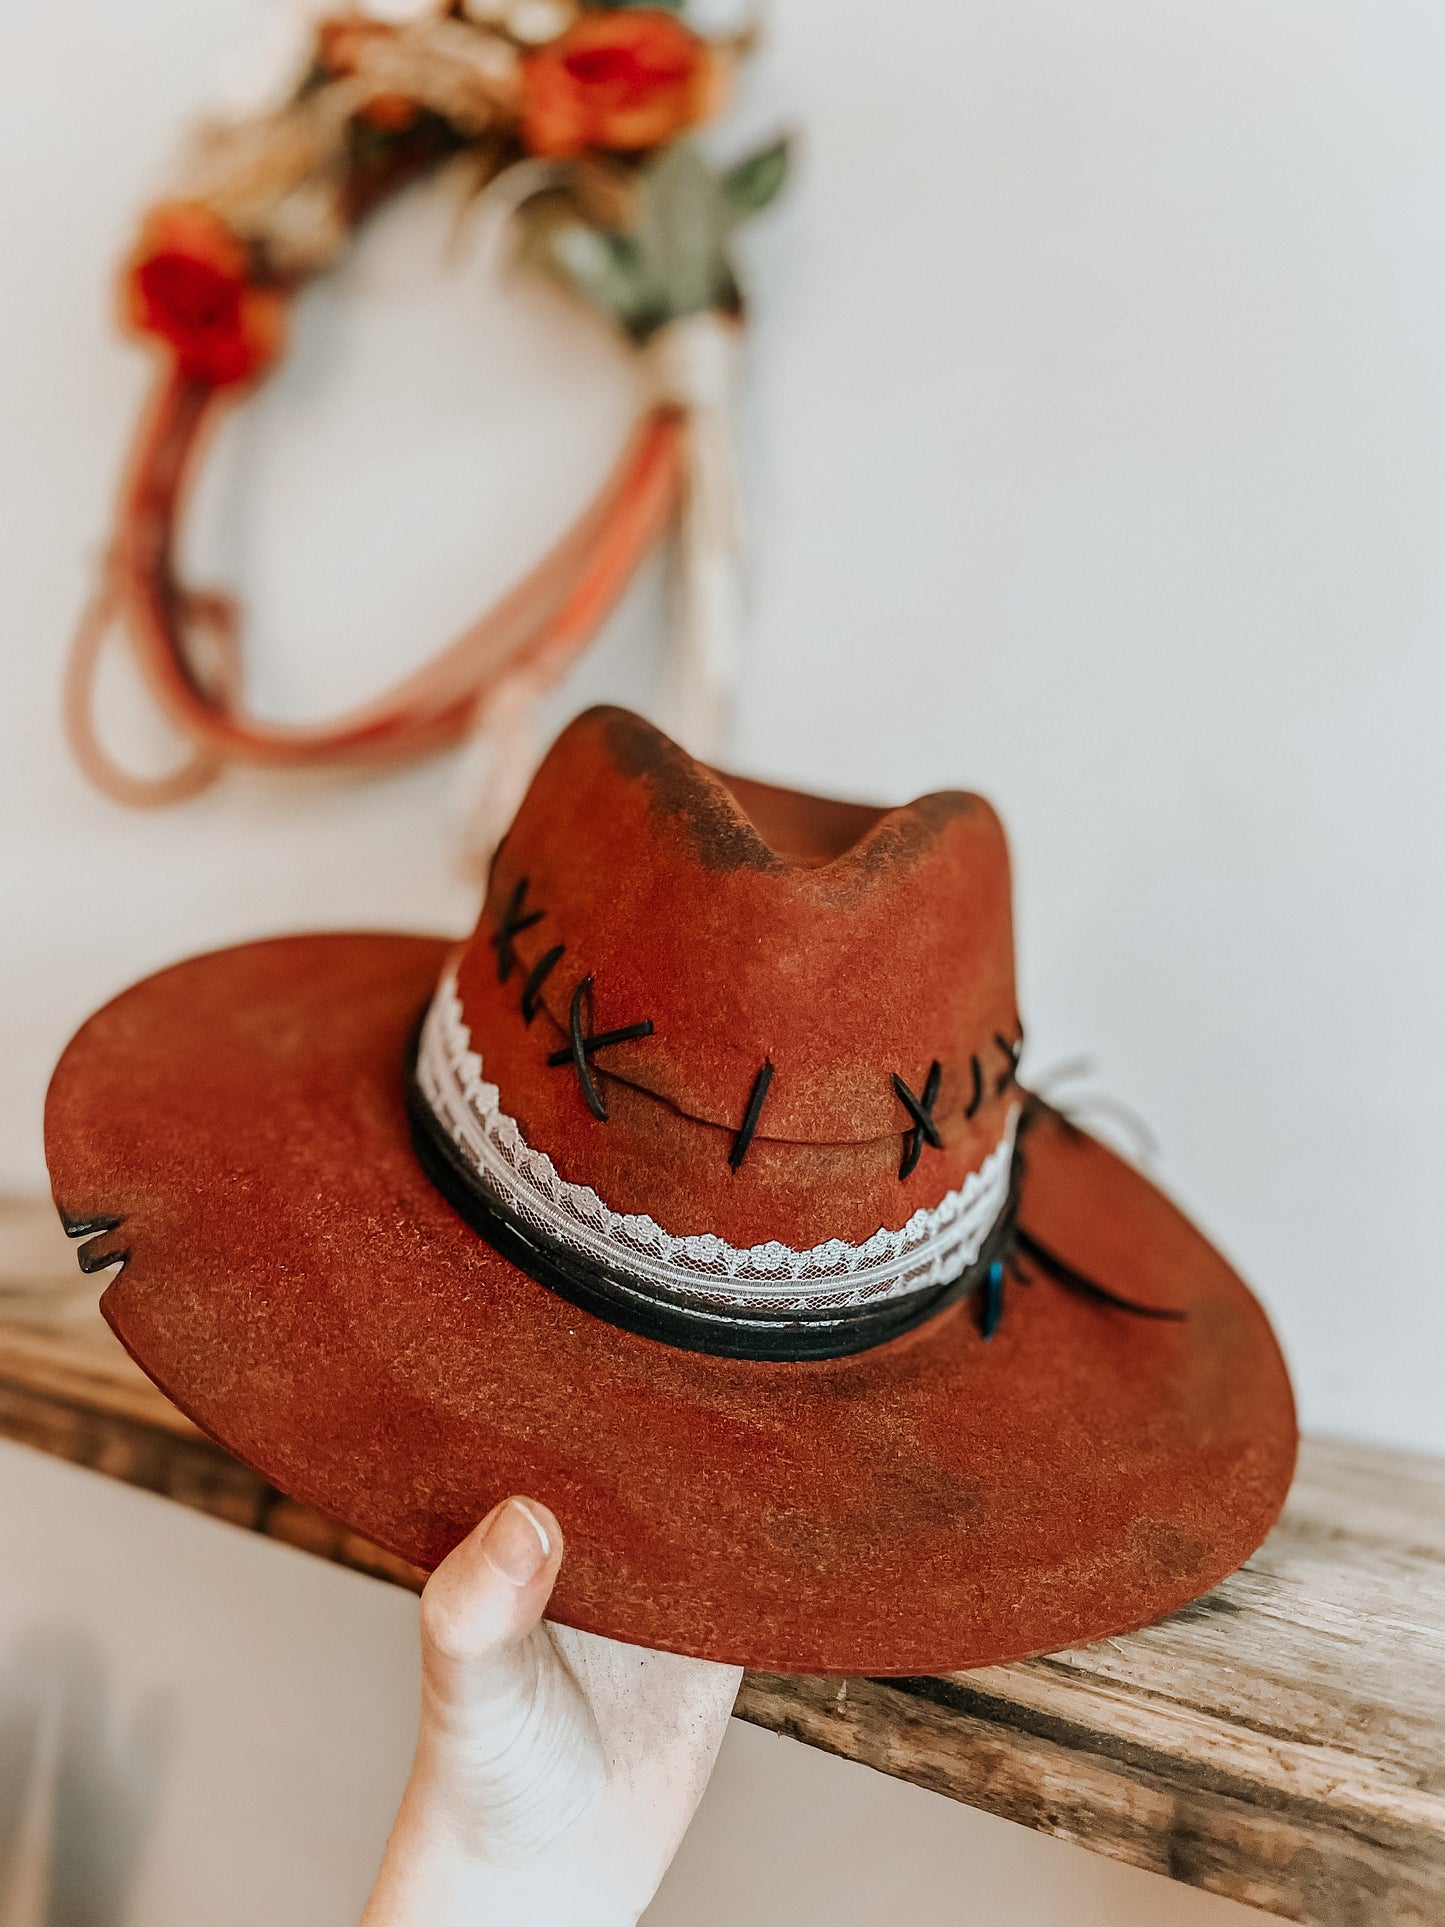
(555, 1772)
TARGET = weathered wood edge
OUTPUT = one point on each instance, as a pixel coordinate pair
(1146, 1810)
(87, 1376)
(189, 1469)
(1237, 1837)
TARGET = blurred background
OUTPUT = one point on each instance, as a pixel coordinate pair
(1094, 434)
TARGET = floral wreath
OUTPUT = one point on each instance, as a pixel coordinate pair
(573, 114)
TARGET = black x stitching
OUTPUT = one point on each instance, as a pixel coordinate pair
(920, 1109)
(971, 1108)
(536, 977)
(579, 1047)
(1013, 1052)
(750, 1117)
(514, 920)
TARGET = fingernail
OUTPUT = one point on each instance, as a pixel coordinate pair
(516, 1544)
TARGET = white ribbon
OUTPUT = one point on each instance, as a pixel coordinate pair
(484, 218)
(694, 365)
(691, 364)
(503, 748)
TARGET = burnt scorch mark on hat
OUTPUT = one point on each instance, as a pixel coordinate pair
(906, 833)
(580, 1047)
(720, 833)
(1171, 1550)
(750, 1117)
(723, 835)
(98, 1254)
(514, 920)
(920, 1109)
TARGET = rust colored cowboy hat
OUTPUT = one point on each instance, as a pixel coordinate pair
(697, 1195)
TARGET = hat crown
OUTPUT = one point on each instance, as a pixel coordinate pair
(744, 927)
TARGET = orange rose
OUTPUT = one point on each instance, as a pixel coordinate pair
(622, 80)
(188, 282)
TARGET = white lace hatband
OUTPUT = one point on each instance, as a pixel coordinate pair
(699, 1270)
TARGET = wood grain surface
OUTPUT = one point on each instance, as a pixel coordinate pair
(1281, 1742)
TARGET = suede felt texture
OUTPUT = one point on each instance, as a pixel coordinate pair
(882, 943)
(296, 1285)
(303, 1294)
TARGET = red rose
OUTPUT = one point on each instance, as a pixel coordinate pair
(622, 80)
(188, 282)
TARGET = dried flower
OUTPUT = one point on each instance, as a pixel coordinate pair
(625, 80)
(390, 113)
(342, 43)
(535, 21)
(188, 283)
(400, 13)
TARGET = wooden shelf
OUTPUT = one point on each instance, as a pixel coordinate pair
(1281, 1742)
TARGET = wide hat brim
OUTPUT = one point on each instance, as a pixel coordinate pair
(237, 1128)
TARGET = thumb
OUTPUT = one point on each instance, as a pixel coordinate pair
(508, 1744)
(487, 1594)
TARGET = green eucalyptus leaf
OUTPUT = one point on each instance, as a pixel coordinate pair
(673, 258)
(682, 228)
(603, 267)
(754, 182)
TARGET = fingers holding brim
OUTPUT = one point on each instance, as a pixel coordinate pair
(493, 1586)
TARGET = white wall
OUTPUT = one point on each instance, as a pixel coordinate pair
(1096, 434)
